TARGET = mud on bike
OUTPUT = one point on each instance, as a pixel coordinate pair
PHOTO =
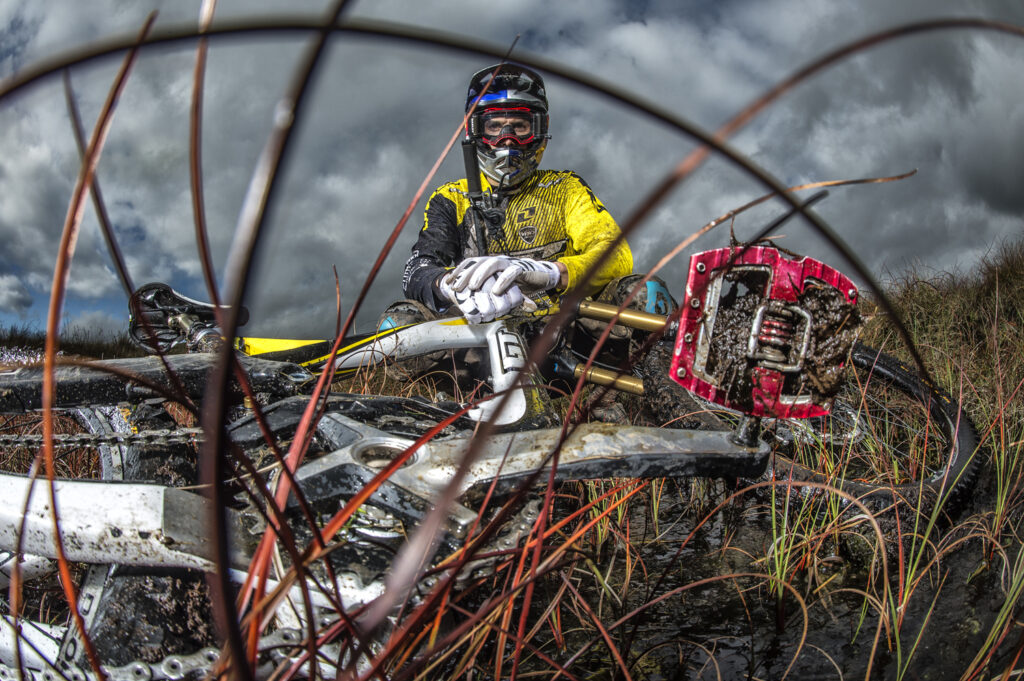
(760, 362)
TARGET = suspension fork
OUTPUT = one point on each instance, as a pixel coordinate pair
(634, 319)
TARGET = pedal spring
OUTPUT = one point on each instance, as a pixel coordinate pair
(775, 338)
(777, 332)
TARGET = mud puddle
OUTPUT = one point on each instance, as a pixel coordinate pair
(716, 613)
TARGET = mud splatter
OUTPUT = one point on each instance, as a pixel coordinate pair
(150, 616)
(834, 325)
(742, 294)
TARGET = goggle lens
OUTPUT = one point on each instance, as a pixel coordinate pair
(498, 125)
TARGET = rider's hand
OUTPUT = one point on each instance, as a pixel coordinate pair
(472, 272)
(479, 304)
(445, 284)
(482, 305)
(529, 274)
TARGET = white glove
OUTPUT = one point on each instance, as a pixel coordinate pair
(472, 272)
(532, 275)
(445, 284)
(481, 305)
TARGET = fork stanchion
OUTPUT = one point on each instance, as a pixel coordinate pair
(613, 379)
(634, 319)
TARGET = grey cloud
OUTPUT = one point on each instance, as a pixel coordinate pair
(13, 295)
(984, 147)
(380, 112)
(91, 324)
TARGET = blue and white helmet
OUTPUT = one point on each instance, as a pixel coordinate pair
(509, 123)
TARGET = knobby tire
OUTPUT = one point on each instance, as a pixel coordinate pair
(891, 440)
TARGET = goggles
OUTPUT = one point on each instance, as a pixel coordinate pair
(495, 126)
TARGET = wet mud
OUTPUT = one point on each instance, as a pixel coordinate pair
(836, 326)
(721, 615)
(150, 616)
(833, 327)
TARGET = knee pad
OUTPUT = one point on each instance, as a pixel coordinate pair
(403, 313)
(653, 296)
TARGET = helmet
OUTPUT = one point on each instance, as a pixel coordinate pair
(509, 124)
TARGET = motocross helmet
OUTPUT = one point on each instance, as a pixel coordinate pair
(509, 124)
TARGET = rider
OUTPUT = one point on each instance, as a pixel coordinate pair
(526, 235)
(535, 233)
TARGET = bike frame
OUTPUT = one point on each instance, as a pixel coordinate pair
(505, 345)
(136, 524)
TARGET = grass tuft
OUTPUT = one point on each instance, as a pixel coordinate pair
(24, 343)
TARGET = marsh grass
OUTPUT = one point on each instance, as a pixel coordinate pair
(970, 329)
(969, 326)
(24, 343)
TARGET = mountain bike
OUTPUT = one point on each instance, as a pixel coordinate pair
(759, 362)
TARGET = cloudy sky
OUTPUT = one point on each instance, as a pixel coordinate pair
(948, 104)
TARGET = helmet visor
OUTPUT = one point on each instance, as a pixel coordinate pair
(498, 125)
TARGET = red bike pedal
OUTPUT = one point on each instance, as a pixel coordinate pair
(764, 334)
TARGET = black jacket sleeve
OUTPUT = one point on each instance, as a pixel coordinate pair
(438, 248)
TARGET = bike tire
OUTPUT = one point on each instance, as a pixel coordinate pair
(891, 440)
(894, 410)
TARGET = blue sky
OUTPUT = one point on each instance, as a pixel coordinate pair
(948, 104)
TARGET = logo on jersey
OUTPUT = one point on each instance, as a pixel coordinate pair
(526, 232)
(525, 214)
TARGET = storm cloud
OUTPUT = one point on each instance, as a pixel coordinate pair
(948, 104)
